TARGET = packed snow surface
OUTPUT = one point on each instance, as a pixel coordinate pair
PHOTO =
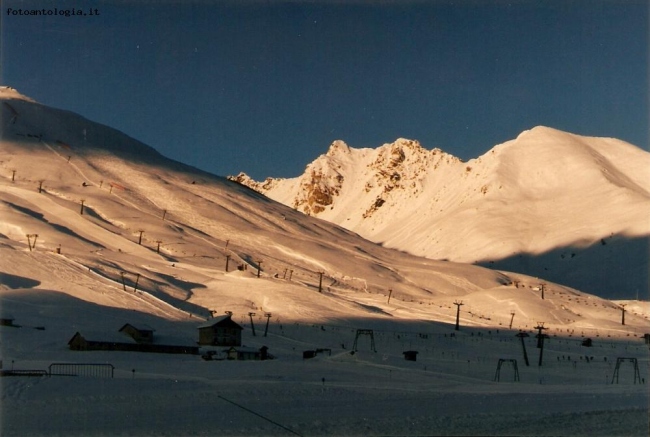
(98, 230)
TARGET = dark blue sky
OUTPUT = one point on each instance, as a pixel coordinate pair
(265, 86)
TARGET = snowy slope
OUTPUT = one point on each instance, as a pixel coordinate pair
(151, 247)
(127, 189)
(548, 203)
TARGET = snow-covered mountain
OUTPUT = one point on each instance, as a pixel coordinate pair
(98, 230)
(569, 208)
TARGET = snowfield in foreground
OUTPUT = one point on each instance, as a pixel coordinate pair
(449, 390)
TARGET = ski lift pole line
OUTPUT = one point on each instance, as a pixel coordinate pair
(156, 302)
(78, 170)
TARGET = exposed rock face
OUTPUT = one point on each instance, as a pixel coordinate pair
(401, 166)
(261, 187)
(318, 191)
(317, 187)
(322, 181)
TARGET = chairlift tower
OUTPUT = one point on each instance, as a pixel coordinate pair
(523, 335)
(458, 305)
(252, 324)
(540, 340)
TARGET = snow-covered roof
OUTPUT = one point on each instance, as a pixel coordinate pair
(245, 349)
(139, 327)
(221, 320)
(104, 336)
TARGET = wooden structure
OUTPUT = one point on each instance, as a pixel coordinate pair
(108, 342)
(96, 370)
(410, 355)
(7, 320)
(248, 353)
(140, 334)
(98, 341)
(312, 353)
(220, 331)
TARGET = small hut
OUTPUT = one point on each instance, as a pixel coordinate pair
(7, 320)
(248, 353)
(410, 355)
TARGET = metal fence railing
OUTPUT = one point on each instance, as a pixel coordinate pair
(92, 370)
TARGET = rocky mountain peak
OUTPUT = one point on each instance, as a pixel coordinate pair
(338, 148)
